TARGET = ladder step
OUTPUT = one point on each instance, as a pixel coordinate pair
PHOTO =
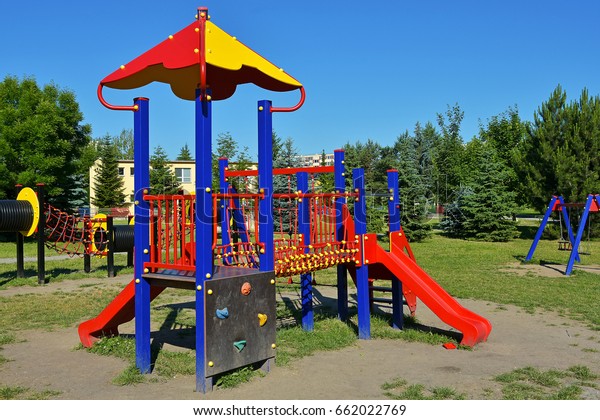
(381, 300)
(380, 289)
(385, 300)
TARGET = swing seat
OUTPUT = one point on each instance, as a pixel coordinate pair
(564, 245)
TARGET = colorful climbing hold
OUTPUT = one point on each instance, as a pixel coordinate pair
(239, 345)
(262, 319)
(222, 313)
(246, 288)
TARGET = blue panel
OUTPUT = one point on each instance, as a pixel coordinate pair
(394, 226)
(342, 273)
(362, 272)
(394, 201)
(265, 184)
(304, 229)
(204, 226)
(141, 158)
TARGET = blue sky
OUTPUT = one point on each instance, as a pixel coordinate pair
(371, 70)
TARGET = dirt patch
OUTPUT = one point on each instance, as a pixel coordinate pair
(546, 269)
(48, 361)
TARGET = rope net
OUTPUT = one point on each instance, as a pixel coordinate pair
(73, 235)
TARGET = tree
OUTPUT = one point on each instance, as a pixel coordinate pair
(506, 133)
(108, 187)
(368, 156)
(287, 157)
(326, 180)
(41, 138)
(448, 157)
(162, 178)
(277, 144)
(484, 210)
(412, 165)
(561, 152)
(240, 159)
(124, 144)
(185, 153)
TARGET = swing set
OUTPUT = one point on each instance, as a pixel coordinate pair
(573, 240)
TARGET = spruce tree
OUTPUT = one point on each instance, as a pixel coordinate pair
(185, 153)
(560, 152)
(287, 157)
(162, 178)
(325, 180)
(485, 210)
(413, 187)
(108, 186)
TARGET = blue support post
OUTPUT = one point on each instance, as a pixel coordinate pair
(362, 271)
(304, 230)
(141, 232)
(224, 210)
(394, 226)
(342, 273)
(567, 223)
(265, 185)
(204, 226)
(580, 231)
(540, 230)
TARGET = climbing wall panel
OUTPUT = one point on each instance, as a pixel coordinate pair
(240, 320)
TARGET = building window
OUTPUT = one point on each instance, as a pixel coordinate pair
(183, 175)
(131, 171)
(121, 171)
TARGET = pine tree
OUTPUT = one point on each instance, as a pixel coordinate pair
(162, 178)
(453, 220)
(185, 153)
(560, 152)
(287, 157)
(325, 181)
(108, 187)
(484, 211)
(413, 188)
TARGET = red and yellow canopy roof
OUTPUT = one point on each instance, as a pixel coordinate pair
(201, 56)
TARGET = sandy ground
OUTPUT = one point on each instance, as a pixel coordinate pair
(48, 361)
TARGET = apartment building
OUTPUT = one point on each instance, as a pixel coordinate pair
(184, 170)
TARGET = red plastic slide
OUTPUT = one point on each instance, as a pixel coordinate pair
(119, 311)
(474, 328)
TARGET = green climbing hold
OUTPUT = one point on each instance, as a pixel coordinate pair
(239, 345)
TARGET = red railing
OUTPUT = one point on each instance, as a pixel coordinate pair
(236, 241)
(172, 244)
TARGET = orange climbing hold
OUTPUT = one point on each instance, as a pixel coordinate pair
(246, 288)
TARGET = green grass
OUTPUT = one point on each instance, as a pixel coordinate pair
(400, 389)
(530, 383)
(60, 270)
(54, 310)
(22, 393)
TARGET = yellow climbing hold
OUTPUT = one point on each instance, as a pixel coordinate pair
(262, 319)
